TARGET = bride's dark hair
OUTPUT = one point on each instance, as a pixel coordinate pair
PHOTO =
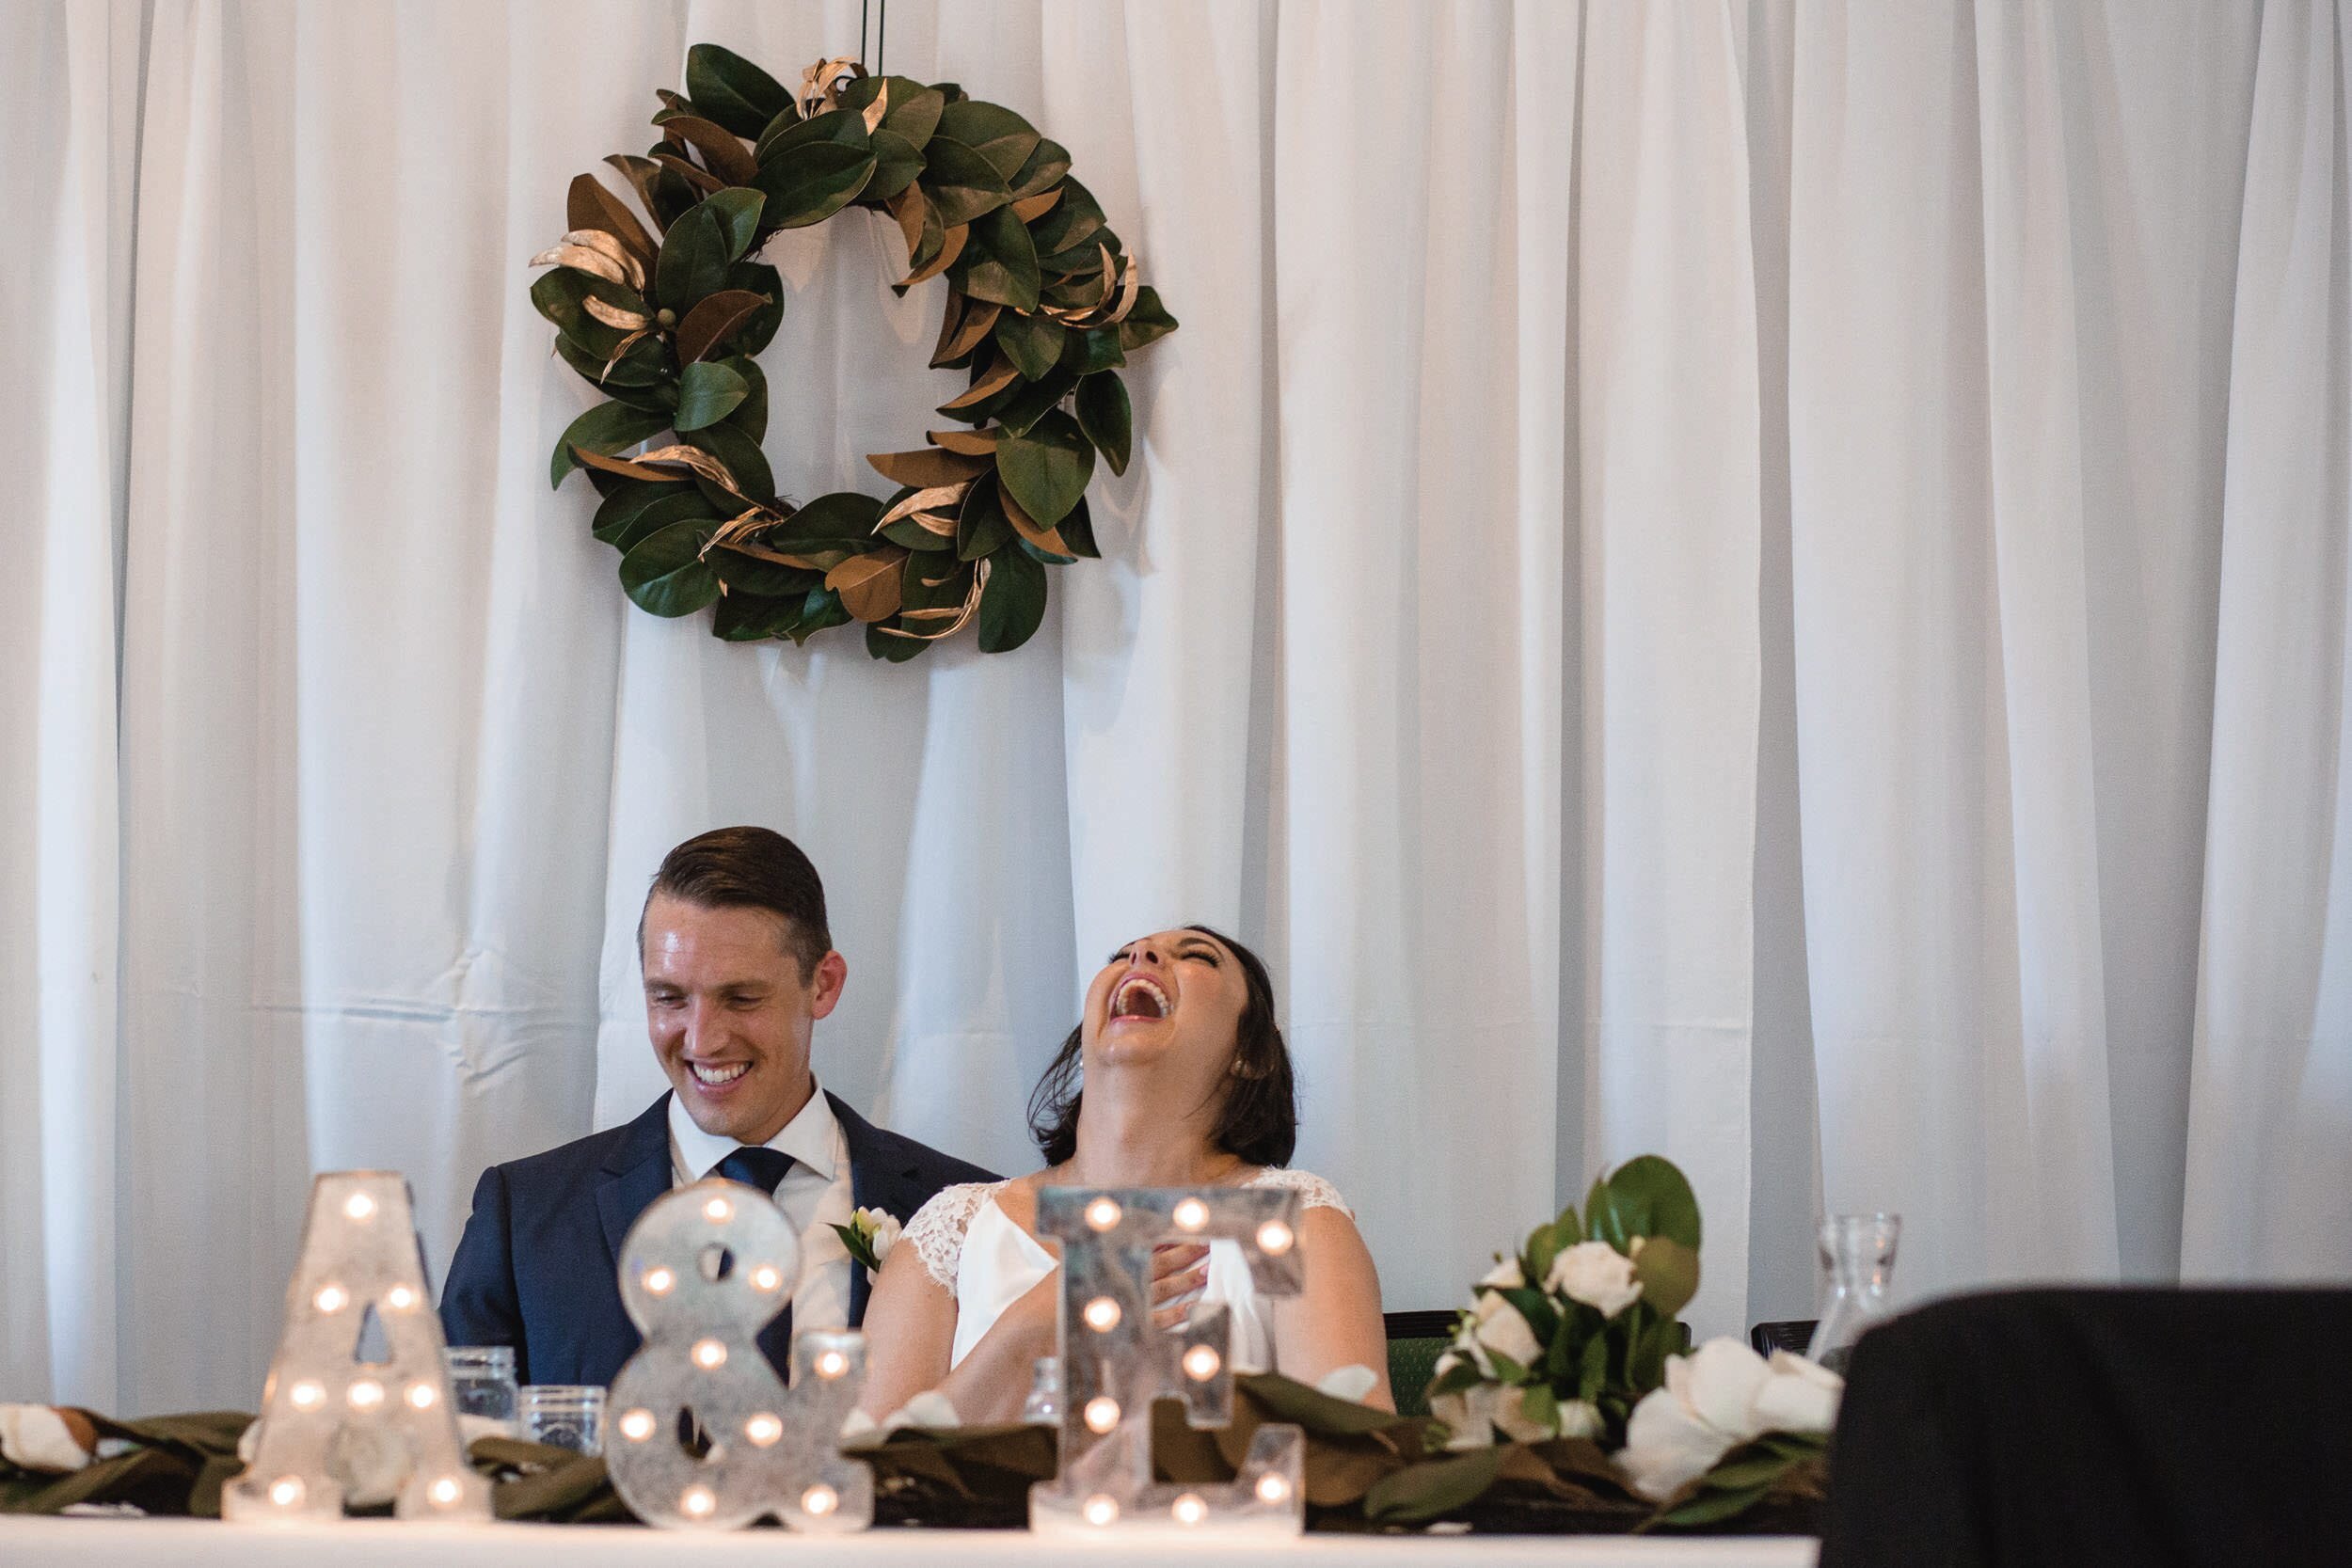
(1259, 1121)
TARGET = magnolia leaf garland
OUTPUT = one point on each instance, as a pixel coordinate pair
(664, 314)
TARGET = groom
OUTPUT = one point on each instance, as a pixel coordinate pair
(737, 967)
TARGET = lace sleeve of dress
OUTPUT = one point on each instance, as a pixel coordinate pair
(936, 1231)
(1312, 1190)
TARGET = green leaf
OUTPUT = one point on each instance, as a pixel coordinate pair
(914, 536)
(996, 132)
(694, 258)
(841, 516)
(1093, 351)
(682, 503)
(1020, 406)
(607, 428)
(1033, 344)
(895, 166)
(1710, 1508)
(1542, 1246)
(640, 370)
(1652, 1197)
(1047, 469)
(707, 392)
(558, 294)
(738, 217)
(1592, 1372)
(998, 265)
(751, 415)
(1070, 223)
(1012, 603)
(1421, 1493)
(914, 110)
(629, 497)
(1669, 1273)
(936, 581)
(807, 184)
(741, 454)
(1047, 163)
(759, 328)
(1077, 532)
(748, 574)
(1109, 420)
(731, 91)
(664, 574)
(1538, 1404)
(823, 608)
(1567, 1227)
(744, 616)
(1744, 1468)
(960, 183)
(981, 528)
(1148, 323)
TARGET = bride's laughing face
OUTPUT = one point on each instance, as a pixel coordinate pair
(1173, 995)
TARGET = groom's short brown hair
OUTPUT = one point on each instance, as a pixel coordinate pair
(748, 868)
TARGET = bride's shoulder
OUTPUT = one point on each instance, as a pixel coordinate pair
(1312, 1190)
(936, 1231)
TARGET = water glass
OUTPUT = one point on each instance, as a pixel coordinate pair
(564, 1416)
(482, 1380)
(1857, 1263)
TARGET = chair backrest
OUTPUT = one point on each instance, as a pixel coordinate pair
(1792, 1335)
(1416, 1340)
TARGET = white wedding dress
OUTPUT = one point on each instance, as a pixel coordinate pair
(972, 1249)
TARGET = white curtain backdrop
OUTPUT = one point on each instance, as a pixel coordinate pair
(1764, 580)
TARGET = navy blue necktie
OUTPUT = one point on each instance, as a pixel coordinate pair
(764, 1169)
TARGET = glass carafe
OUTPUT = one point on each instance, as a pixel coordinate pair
(1857, 1259)
(1043, 1406)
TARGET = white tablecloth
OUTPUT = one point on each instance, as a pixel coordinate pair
(25, 1542)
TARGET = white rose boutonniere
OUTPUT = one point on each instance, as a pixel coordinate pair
(869, 1236)
(39, 1437)
(1596, 1275)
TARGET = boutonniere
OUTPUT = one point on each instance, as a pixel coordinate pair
(869, 1236)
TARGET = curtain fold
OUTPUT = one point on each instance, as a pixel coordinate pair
(1762, 580)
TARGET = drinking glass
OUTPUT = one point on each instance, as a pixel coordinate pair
(482, 1380)
(1857, 1257)
(1044, 1404)
(564, 1416)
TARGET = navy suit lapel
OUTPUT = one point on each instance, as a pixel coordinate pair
(634, 1174)
(882, 1176)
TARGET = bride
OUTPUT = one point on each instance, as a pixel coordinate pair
(1176, 1076)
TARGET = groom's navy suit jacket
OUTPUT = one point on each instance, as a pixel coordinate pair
(538, 1266)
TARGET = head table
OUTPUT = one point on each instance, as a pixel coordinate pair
(35, 1543)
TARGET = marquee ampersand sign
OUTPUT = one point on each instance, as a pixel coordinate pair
(1044, 307)
(1116, 1362)
(703, 1271)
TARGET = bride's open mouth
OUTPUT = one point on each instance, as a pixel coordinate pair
(1138, 997)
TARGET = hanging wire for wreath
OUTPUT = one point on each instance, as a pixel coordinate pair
(1044, 307)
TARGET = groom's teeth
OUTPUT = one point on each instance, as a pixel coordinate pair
(715, 1075)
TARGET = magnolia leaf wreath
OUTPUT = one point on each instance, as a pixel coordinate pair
(1044, 307)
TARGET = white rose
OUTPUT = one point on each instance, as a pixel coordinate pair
(881, 1231)
(1721, 1397)
(1580, 1419)
(35, 1438)
(1504, 1276)
(1797, 1396)
(1468, 1414)
(1596, 1275)
(1498, 1326)
(1512, 1420)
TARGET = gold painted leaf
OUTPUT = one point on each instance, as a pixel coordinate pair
(620, 348)
(626, 467)
(988, 386)
(1127, 292)
(820, 84)
(870, 585)
(971, 443)
(970, 603)
(1026, 526)
(879, 107)
(928, 467)
(592, 205)
(1031, 209)
(588, 260)
(696, 459)
(924, 501)
(908, 208)
(613, 315)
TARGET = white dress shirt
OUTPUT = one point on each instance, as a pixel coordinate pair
(814, 1197)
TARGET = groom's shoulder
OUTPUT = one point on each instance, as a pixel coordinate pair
(568, 1166)
(929, 1167)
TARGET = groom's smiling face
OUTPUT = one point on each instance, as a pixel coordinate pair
(730, 1012)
